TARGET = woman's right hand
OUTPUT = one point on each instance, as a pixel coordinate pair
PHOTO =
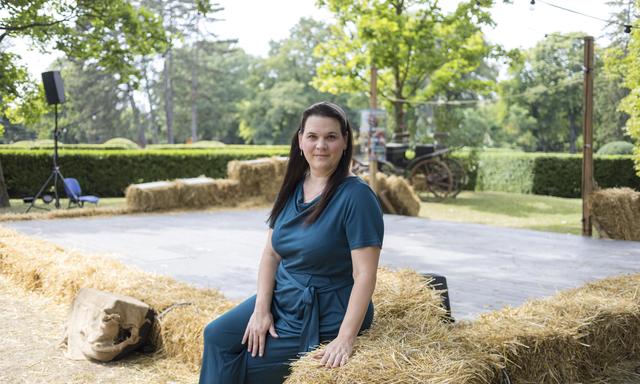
(256, 333)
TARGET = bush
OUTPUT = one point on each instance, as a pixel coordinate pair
(544, 173)
(122, 142)
(616, 148)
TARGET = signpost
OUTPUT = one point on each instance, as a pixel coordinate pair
(587, 134)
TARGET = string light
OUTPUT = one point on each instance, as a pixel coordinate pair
(627, 27)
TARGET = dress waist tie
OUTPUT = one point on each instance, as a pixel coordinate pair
(309, 311)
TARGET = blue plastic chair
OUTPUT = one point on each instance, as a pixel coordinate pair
(74, 193)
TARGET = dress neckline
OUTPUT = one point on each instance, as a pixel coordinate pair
(299, 195)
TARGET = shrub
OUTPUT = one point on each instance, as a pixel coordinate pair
(551, 174)
(121, 142)
(616, 148)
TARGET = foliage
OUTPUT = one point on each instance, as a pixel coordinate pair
(95, 108)
(616, 148)
(281, 86)
(549, 174)
(122, 142)
(631, 103)
(420, 52)
(111, 33)
(221, 89)
(548, 85)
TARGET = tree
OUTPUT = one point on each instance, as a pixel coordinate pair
(185, 21)
(548, 84)
(631, 103)
(110, 32)
(610, 90)
(419, 51)
(282, 85)
(221, 88)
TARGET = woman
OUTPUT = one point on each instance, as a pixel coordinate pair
(318, 269)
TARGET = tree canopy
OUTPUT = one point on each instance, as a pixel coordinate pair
(420, 51)
(110, 33)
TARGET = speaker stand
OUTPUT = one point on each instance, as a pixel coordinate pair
(55, 172)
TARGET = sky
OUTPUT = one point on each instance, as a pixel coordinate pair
(255, 22)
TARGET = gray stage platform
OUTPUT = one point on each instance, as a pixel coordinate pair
(486, 267)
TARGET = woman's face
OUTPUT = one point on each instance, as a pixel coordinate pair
(322, 144)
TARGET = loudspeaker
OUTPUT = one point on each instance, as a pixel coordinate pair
(53, 87)
(439, 283)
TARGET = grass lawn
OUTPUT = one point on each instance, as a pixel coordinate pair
(18, 206)
(543, 213)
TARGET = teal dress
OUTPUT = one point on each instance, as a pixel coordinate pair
(313, 283)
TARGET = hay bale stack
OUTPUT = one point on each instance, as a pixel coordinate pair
(402, 196)
(153, 196)
(50, 270)
(280, 164)
(616, 213)
(408, 342)
(568, 338)
(203, 192)
(396, 195)
(256, 177)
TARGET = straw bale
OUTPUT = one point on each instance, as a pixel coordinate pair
(570, 337)
(398, 193)
(407, 343)
(280, 163)
(616, 213)
(45, 268)
(153, 196)
(256, 177)
(402, 196)
(203, 192)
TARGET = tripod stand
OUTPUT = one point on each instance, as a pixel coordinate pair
(55, 172)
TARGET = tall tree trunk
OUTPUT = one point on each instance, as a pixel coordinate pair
(398, 118)
(155, 130)
(573, 129)
(4, 195)
(194, 95)
(142, 140)
(168, 95)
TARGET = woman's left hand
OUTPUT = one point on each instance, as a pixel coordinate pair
(335, 353)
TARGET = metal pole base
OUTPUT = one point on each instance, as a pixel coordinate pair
(55, 175)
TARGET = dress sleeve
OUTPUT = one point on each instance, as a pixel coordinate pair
(363, 218)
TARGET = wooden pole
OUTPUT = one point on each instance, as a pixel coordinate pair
(373, 161)
(587, 134)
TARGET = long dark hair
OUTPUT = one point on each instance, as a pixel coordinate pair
(298, 165)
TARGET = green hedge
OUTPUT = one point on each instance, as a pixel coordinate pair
(544, 173)
(108, 173)
(117, 144)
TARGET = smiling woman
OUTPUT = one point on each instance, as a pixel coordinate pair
(322, 145)
(318, 269)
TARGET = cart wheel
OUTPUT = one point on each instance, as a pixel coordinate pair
(431, 175)
(458, 174)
